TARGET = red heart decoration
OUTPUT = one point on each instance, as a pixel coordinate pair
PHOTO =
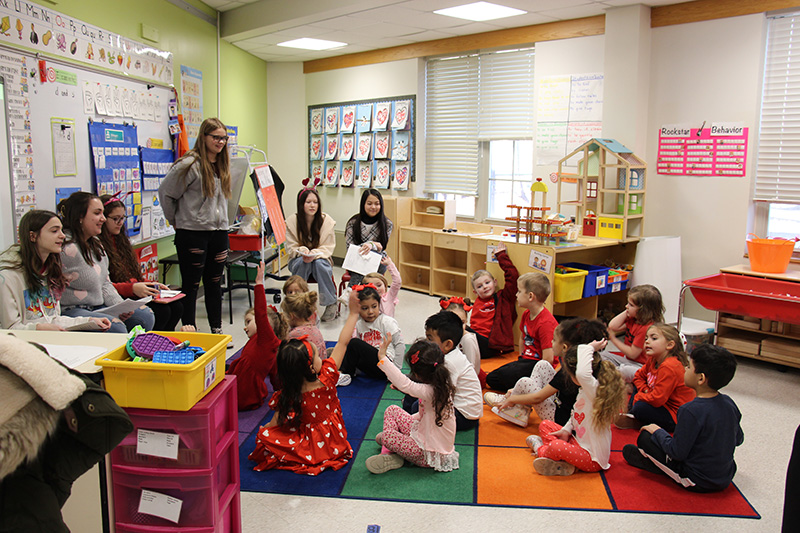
(579, 417)
(382, 145)
(332, 147)
(331, 120)
(383, 173)
(383, 114)
(348, 146)
(315, 146)
(316, 121)
(331, 172)
(348, 119)
(364, 175)
(363, 147)
(400, 115)
(347, 174)
(316, 172)
(400, 175)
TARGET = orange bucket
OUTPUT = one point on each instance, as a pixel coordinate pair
(769, 255)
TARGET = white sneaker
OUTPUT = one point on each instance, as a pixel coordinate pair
(329, 313)
(344, 380)
(533, 442)
(380, 464)
(493, 398)
(516, 414)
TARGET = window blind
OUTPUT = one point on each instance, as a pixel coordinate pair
(778, 166)
(472, 98)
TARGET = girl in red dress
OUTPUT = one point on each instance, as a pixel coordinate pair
(307, 434)
(265, 329)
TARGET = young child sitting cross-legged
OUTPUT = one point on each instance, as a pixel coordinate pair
(537, 326)
(445, 329)
(699, 456)
(494, 312)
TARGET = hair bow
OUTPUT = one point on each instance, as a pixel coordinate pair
(275, 309)
(455, 300)
(306, 186)
(359, 288)
(414, 358)
(304, 340)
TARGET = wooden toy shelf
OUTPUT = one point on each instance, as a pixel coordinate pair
(757, 313)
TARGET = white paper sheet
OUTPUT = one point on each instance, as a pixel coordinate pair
(73, 356)
(362, 264)
(125, 306)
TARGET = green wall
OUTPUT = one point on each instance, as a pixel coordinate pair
(193, 42)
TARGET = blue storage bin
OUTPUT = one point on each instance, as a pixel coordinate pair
(596, 279)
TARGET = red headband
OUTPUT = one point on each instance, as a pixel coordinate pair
(306, 186)
(115, 199)
(359, 288)
(455, 300)
(304, 340)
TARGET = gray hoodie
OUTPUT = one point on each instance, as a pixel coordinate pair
(185, 206)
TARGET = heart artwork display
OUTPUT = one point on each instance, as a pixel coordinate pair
(316, 172)
(347, 146)
(316, 147)
(364, 176)
(382, 146)
(382, 115)
(332, 122)
(400, 115)
(316, 121)
(332, 145)
(347, 120)
(383, 174)
(363, 147)
(400, 175)
(347, 175)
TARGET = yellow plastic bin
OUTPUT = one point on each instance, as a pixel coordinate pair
(568, 284)
(150, 385)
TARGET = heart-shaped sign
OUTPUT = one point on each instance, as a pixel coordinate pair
(401, 174)
(400, 115)
(382, 145)
(382, 115)
(347, 119)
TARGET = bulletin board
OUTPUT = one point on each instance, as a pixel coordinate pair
(364, 143)
(51, 101)
(719, 151)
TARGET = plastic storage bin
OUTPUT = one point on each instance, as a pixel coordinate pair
(617, 280)
(230, 522)
(596, 278)
(569, 285)
(163, 386)
(244, 243)
(696, 332)
(205, 494)
(203, 432)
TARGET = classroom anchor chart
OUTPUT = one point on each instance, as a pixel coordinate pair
(720, 150)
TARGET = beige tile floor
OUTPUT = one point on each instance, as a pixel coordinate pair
(768, 397)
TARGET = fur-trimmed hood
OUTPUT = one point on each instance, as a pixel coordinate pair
(34, 389)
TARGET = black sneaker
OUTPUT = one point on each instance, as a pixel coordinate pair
(633, 456)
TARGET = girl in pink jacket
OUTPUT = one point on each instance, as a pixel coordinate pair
(427, 438)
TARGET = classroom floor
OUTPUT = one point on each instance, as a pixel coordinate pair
(766, 394)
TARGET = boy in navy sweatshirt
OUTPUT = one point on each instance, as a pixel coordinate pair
(699, 456)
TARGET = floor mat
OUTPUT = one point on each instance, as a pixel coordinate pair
(493, 458)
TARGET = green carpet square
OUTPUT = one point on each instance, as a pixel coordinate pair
(412, 483)
(376, 425)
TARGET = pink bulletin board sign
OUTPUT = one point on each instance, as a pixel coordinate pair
(270, 196)
(720, 150)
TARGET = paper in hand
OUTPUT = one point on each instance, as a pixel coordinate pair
(362, 264)
(125, 306)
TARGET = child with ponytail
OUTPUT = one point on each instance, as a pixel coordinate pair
(301, 312)
(427, 438)
(585, 441)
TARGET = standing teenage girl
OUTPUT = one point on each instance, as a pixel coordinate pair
(369, 229)
(426, 438)
(31, 280)
(309, 243)
(123, 268)
(194, 195)
(86, 266)
(585, 441)
(659, 386)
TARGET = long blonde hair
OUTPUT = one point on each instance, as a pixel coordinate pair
(610, 398)
(207, 169)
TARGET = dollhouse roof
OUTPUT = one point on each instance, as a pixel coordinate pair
(609, 144)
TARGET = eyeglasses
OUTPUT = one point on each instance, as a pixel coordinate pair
(117, 220)
(219, 138)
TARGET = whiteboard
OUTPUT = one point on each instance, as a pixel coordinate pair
(32, 104)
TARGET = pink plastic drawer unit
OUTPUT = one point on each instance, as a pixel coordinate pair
(230, 521)
(203, 431)
(205, 494)
(748, 295)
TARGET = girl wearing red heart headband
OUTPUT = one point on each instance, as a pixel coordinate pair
(427, 437)
(307, 433)
(372, 327)
(265, 329)
(469, 342)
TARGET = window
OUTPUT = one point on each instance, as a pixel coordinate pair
(777, 183)
(510, 176)
(477, 105)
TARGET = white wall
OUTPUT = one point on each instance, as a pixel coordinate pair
(705, 71)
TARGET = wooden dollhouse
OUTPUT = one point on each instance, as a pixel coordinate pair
(609, 183)
(535, 229)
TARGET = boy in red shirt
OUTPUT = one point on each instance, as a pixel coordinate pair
(537, 326)
(494, 313)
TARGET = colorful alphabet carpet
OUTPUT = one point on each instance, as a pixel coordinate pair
(493, 457)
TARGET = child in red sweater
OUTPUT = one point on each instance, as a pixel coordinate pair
(265, 329)
(659, 386)
(494, 312)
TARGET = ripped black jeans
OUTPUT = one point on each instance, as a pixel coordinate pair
(202, 255)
